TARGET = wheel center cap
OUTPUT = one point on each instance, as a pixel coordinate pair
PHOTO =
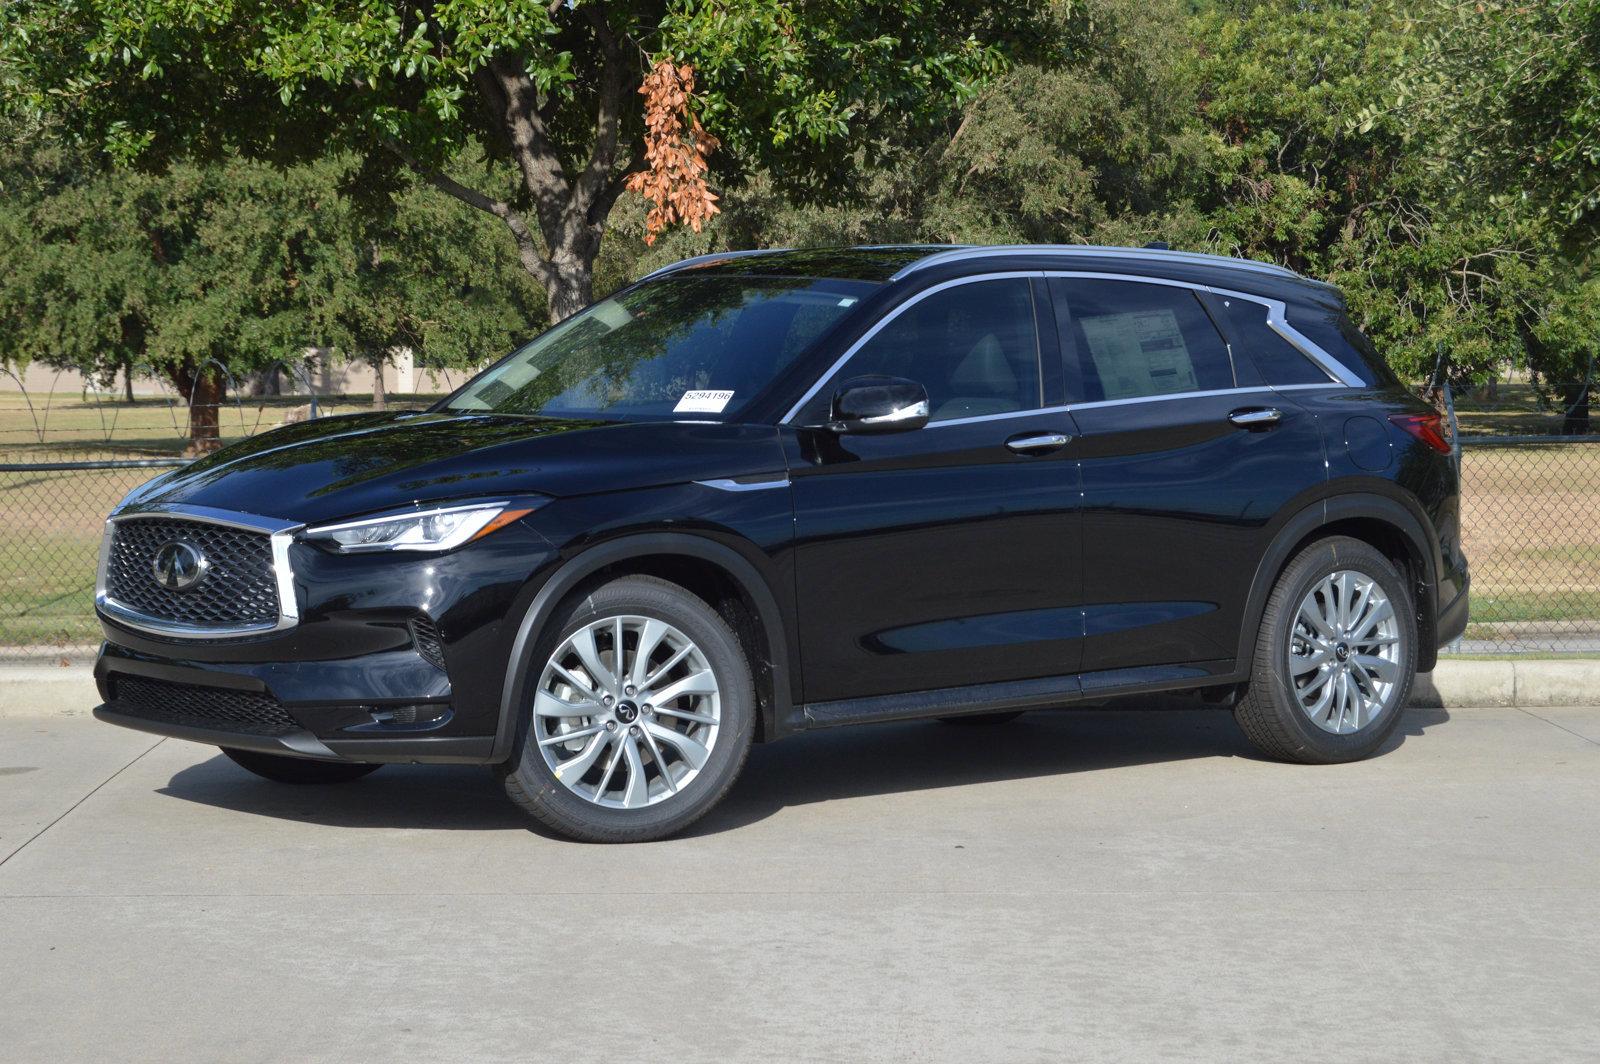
(627, 712)
(1342, 652)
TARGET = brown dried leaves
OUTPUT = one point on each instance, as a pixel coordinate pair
(675, 150)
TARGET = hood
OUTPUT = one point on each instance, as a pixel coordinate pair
(337, 467)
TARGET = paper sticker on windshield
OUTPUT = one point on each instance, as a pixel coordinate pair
(702, 402)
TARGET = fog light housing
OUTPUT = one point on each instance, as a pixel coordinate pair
(414, 715)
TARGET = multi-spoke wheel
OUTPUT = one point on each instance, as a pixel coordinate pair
(1335, 657)
(1344, 652)
(640, 717)
(627, 711)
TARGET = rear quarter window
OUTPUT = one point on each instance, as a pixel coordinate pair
(1260, 354)
(1334, 332)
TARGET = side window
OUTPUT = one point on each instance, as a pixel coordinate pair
(1261, 356)
(1135, 339)
(972, 346)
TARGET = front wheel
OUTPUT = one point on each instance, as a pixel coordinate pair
(640, 718)
(1335, 656)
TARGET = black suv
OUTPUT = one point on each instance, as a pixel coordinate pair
(755, 494)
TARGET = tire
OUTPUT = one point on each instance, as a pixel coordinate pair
(625, 776)
(983, 719)
(1296, 668)
(282, 769)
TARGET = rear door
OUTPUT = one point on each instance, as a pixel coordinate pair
(946, 556)
(1183, 470)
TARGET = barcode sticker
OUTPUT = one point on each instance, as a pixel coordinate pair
(702, 402)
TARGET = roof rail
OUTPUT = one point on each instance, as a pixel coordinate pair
(1094, 251)
(701, 260)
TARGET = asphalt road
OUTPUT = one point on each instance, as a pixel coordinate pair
(1074, 886)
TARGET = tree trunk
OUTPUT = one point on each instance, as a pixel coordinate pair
(380, 398)
(127, 381)
(570, 287)
(204, 392)
(1575, 401)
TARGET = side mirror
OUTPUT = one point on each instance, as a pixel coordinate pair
(869, 405)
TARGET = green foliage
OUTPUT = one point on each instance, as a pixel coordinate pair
(786, 87)
(205, 273)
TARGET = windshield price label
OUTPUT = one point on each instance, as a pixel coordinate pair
(702, 402)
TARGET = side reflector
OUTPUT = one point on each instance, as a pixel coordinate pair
(1426, 427)
(501, 520)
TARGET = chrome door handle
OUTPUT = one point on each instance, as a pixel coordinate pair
(1258, 417)
(1038, 443)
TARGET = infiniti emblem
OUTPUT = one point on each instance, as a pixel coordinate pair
(179, 565)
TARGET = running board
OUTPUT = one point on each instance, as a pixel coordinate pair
(1044, 693)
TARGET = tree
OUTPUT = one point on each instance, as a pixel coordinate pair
(204, 274)
(550, 86)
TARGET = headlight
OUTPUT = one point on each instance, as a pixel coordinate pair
(443, 528)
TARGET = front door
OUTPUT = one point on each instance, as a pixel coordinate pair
(949, 555)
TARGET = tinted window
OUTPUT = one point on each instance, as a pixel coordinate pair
(1336, 334)
(1136, 339)
(972, 346)
(1261, 355)
(642, 352)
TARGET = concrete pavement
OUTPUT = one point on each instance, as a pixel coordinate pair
(1089, 885)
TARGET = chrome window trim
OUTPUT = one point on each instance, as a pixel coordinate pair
(878, 325)
(1277, 320)
(281, 534)
(1095, 251)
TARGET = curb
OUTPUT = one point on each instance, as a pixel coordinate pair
(1509, 682)
(40, 690)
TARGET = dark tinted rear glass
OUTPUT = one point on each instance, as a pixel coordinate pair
(1334, 332)
(1260, 355)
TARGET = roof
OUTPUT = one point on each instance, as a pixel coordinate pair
(891, 262)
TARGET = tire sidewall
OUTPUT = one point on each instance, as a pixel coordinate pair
(1303, 574)
(644, 597)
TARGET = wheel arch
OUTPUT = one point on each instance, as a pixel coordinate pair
(714, 571)
(1391, 525)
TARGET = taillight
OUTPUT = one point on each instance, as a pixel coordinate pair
(1425, 427)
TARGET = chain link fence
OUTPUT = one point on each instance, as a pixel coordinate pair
(1530, 526)
(1530, 516)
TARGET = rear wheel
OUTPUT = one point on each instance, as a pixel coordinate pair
(1335, 657)
(281, 769)
(641, 716)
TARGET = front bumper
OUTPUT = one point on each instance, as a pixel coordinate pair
(391, 659)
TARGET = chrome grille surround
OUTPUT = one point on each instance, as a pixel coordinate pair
(200, 623)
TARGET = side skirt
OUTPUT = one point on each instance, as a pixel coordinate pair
(1044, 693)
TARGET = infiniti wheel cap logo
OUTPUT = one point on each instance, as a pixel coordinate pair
(178, 566)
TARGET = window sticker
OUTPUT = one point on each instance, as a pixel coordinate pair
(702, 402)
(1139, 353)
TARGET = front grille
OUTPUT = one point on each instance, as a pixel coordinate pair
(239, 589)
(218, 708)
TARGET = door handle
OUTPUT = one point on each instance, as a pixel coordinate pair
(1038, 442)
(1256, 417)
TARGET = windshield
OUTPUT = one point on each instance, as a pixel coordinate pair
(696, 347)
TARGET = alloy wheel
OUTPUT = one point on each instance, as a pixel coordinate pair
(1345, 652)
(627, 712)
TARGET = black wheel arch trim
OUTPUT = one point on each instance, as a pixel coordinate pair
(1402, 514)
(775, 718)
